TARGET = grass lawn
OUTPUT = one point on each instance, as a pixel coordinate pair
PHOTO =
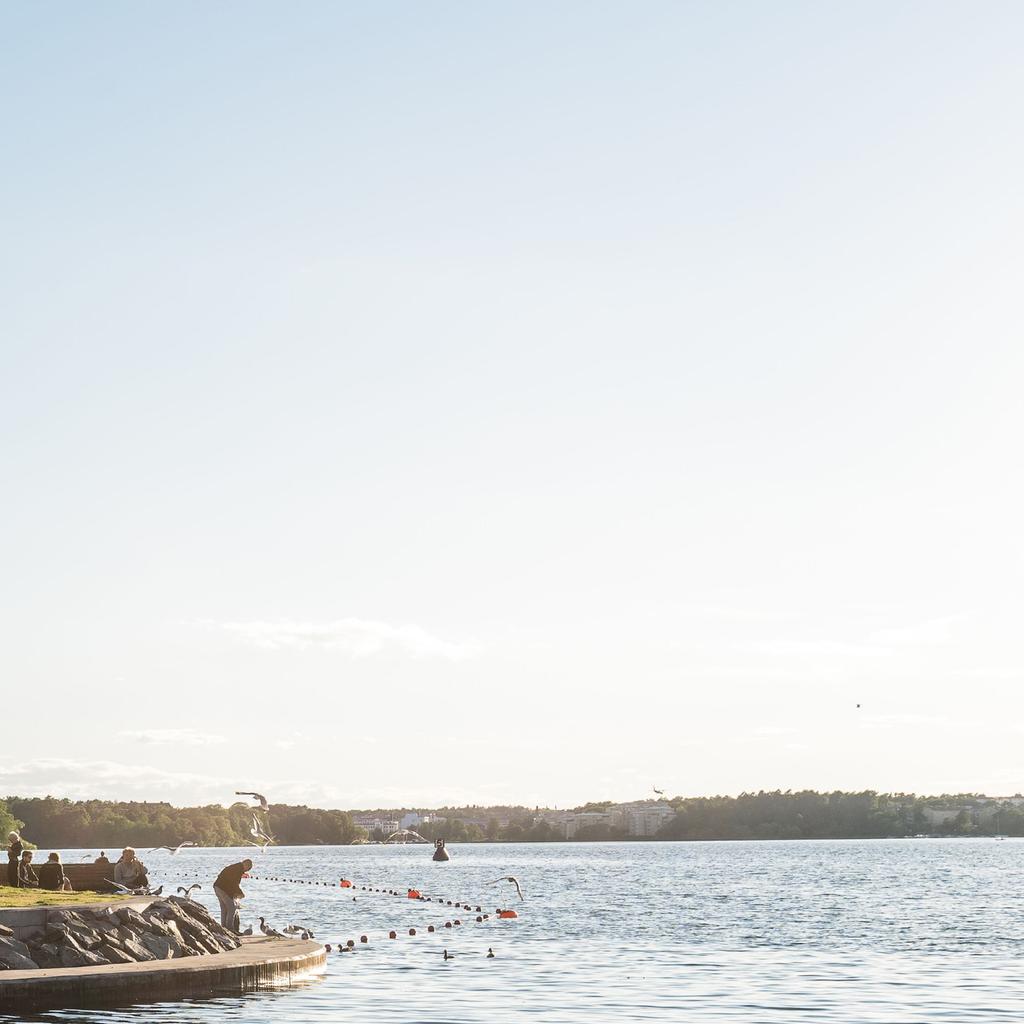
(45, 898)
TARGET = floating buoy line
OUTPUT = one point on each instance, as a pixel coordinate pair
(414, 894)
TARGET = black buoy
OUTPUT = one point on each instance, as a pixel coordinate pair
(440, 853)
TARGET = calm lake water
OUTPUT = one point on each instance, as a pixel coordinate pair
(894, 931)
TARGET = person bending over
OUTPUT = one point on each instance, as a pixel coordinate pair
(228, 888)
(129, 871)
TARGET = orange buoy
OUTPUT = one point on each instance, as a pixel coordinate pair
(345, 884)
(414, 894)
(507, 914)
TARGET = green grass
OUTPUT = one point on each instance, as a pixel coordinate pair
(45, 898)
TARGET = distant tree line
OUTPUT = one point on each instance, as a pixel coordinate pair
(53, 823)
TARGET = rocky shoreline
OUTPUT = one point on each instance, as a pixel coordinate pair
(167, 929)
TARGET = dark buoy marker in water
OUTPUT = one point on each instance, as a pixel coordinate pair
(440, 853)
(490, 953)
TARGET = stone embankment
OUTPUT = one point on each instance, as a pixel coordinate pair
(167, 929)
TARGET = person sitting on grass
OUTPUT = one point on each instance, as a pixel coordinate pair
(129, 871)
(26, 872)
(51, 875)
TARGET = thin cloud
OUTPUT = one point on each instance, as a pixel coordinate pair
(359, 638)
(921, 634)
(109, 780)
(173, 737)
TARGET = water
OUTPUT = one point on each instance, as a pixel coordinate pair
(859, 931)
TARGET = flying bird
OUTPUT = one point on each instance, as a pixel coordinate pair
(406, 833)
(172, 850)
(513, 880)
(258, 797)
(124, 888)
(660, 792)
(188, 891)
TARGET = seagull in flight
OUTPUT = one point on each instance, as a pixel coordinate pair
(261, 837)
(406, 833)
(660, 792)
(258, 797)
(124, 890)
(172, 850)
(188, 891)
(513, 880)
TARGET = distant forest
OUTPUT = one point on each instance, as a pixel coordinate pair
(52, 823)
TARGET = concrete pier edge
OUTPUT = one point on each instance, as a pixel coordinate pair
(259, 963)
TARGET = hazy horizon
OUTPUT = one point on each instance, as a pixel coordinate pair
(536, 404)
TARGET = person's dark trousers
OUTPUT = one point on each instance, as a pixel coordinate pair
(12, 875)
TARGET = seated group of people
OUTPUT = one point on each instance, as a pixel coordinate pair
(129, 871)
(49, 876)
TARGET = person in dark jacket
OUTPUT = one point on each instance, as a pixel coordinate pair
(51, 875)
(102, 858)
(26, 872)
(15, 848)
(228, 888)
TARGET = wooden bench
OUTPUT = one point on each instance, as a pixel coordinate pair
(85, 877)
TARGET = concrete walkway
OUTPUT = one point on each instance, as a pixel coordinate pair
(257, 964)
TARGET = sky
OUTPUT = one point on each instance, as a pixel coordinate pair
(405, 404)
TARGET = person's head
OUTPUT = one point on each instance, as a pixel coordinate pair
(128, 854)
(103, 853)
(13, 837)
(26, 855)
(54, 858)
(247, 864)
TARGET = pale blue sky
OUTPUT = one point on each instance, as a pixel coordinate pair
(408, 403)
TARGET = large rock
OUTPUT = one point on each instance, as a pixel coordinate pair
(14, 955)
(71, 957)
(46, 955)
(5, 932)
(114, 955)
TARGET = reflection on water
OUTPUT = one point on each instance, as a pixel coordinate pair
(902, 930)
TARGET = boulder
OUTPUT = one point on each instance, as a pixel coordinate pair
(71, 957)
(114, 955)
(46, 955)
(14, 955)
(159, 946)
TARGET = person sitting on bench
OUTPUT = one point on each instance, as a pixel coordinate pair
(129, 871)
(51, 875)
